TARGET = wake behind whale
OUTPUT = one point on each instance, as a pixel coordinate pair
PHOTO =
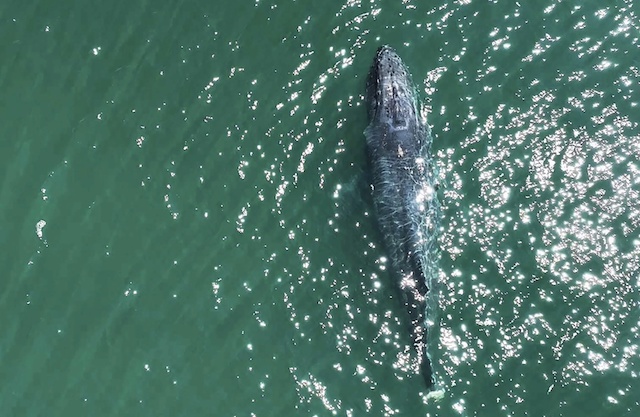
(404, 189)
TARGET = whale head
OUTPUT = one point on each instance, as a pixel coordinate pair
(391, 96)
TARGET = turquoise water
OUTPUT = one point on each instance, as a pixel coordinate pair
(186, 227)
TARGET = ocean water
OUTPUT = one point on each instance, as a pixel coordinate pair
(186, 227)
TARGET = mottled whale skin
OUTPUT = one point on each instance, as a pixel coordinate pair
(404, 188)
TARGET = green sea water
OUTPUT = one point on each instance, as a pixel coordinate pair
(186, 227)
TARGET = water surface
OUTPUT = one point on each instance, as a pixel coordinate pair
(186, 226)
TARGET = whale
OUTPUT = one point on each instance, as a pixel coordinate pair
(404, 191)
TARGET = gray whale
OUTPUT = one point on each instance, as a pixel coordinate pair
(403, 188)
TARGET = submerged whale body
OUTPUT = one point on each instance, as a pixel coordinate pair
(404, 195)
